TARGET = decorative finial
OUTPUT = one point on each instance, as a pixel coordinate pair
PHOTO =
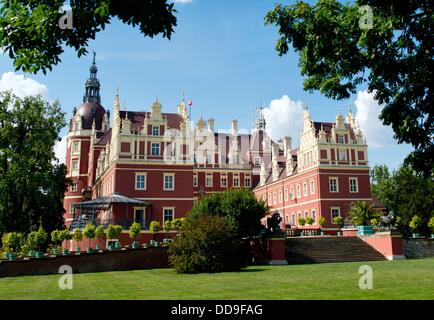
(117, 91)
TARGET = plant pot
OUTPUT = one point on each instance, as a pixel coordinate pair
(12, 257)
(151, 242)
(77, 249)
(339, 233)
(135, 245)
(65, 252)
(55, 252)
(302, 234)
(97, 247)
(365, 230)
(118, 245)
(156, 244)
(432, 235)
(416, 235)
(39, 254)
(89, 250)
(322, 233)
(31, 253)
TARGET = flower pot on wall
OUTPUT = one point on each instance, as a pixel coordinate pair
(39, 254)
(12, 257)
(55, 252)
(339, 233)
(365, 230)
(77, 249)
(65, 252)
(135, 245)
(97, 247)
(416, 235)
(322, 233)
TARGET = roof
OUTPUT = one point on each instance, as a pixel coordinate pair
(107, 201)
(327, 126)
(137, 119)
(106, 138)
(90, 111)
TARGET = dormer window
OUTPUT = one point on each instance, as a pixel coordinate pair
(341, 139)
(155, 130)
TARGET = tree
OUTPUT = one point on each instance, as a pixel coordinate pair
(99, 232)
(89, 232)
(362, 212)
(32, 182)
(207, 243)
(168, 225)
(37, 239)
(393, 55)
(310, 221)
(30, 33)
(322, 222)
(77, 235)
(134, 231)
(406, 193)
(239, 206)
(12, 242)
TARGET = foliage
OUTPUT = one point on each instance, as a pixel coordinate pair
(374, 222)
(31, 36)
(415, 223)
(135, 230)
(393, 57)
(406, 193)
(56, 236)
(89, 231)
(310, 220)
(238, 206)
(168, 225)
(322, 221)
(113, 231)
(177, 223)
(65, 234)
(36, 239)
(12, 242)
(338, 220)
(77, 235)
(32, 182)
(362, 212)
(154, 226)
(99, 232)
(206, 244)
(431, 223)
(301, 221)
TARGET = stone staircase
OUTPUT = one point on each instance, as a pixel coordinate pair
(329, 249)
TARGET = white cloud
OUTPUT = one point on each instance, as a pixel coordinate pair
(22, 86)
(284, 117)
(183, 1)
(377, 135)
(60, 150)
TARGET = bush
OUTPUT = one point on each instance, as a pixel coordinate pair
(206, 244)
(238, 206)
(99, 232)
(177, 224)
(77, 235)
(154, 226)
(36, 239)
(301, 221)
(113, 231)
(56, 237)
(89, 232)
(13, 242)
(415, 223)
(322, 221)
(135, 230)
(361, 213)
(431, 223)
(167, 225)
(310, 221)
(338, 220)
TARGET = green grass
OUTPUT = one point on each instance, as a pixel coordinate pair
(404, 279)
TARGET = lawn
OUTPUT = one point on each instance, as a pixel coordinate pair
(404, 279)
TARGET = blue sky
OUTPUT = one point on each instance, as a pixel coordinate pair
(223, 56)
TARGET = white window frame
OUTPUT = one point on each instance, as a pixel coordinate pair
(236, 177)
(224, 178)
(337, 184)
(331, 212)
(305, 191)
(157, 147)
(209, 177)
(274, 197)
(74, 187)
(270, 199)
(298, 191)
(247, 181)
(140, 174)
(72, 164)
(256, 161)
(157, 131)
(74, 144)
(280, 196)
(356, 179)
(292, 193)
(285, 194)
(173, 213)
(313, 215)
(344, 153)
(312, 186)
(341, 139)
(166, 175)
(195, 181)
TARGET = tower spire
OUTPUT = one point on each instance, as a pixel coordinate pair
(92, 87)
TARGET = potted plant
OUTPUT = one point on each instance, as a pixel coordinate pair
(134, 232)
(154, 227)
(338, 220)
(302, 222)
(415, 224)
(99, 234)
(113, 232)
(35, 241)
(89, 233)
(431, 225)
(77, 235)
(322, 222)
(361, 213)
(177, 224)
(56, 239)
(65, 235)
(12, 244)
(168, 225)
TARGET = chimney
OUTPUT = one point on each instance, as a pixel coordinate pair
(234, 127)
(263, 173)
(211, 125)
(287, 146)
(275, 163)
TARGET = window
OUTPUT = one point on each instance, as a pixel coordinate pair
(291, 192)
(305, 189)
(168, 214)
(286, 218)
(73, 187)
(299, 215)
(247, 181)
(140, 181)
(155, 130)
(74, 165)
(155, 149)
(333, 184)
(335, 212)
(293, 219)
(314, 216)
(270, 199)
(341, 139)
(342, 155)
(208, 180)
(354, 185)
(306, 214)
(236, 181)
(298, 191)
(223, 181)
(280, 196)
(195, 180)
(169, 181)
(312, 187)
(257, 161)
(285, 192)
(76, 146)
(71, 209)
(274, 197)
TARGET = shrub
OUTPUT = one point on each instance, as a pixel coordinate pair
(374, 222)
(12, 242)
(36, 239)
(135, 230)
(89, 232)
(338, 220)
(177, 224)
(154, 226)
(322, 221)
(206, 244)
(415, 223)
(431, 223)
(77, 235)
(301, 221)
(56, 237)
(361, 213)
(113, 231)
(310, 220)
(167, 225)
(99, 232)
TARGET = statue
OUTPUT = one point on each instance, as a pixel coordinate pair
(387, 222)
(273, 224)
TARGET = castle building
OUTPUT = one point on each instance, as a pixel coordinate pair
(160, 164)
